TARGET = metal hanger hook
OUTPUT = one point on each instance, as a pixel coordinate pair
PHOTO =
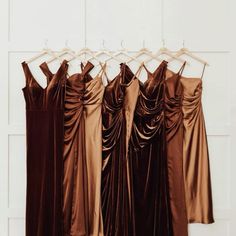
(163, 43)
(46, 43)
(121, 44)
(66, 43)
(103, 44)
(183, 43)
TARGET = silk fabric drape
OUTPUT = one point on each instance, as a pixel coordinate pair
(127, 159)
(148, 160)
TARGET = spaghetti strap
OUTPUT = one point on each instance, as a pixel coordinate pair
(103, 71)
(203, 70)
(139, 70)
(164, 62)
(181, 68)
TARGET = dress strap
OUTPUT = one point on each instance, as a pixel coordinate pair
(87, 68)
(103, 71)
(181, 68)
(139, 70)
(161, 65)
(45, 69)
(203, 70)
(27, 72)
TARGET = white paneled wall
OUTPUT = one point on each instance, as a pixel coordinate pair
(205, 27)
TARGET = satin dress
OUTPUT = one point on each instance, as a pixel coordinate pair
(148, 160)
(44, 132)
(174, 143)
(119, 102)
(83, 153)
(196, 164)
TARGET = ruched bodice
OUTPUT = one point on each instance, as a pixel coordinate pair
(118, 107)
(196, 164)
(147, 156)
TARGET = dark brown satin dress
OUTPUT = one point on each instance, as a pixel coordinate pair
(118, 108)
(174, 139)
(82, 153)
(44, 123)
(195, 154)
(147, 156)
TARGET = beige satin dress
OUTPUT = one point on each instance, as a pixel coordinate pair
(198, 193)
(83, 154)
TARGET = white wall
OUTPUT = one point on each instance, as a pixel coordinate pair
(203, 24)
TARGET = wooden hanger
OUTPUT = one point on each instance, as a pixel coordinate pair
(83, 52)
(64, 51)
(165, 51)
(123, 51)
(185, 51)
(45, 51)
(104, 51)
(145, 51)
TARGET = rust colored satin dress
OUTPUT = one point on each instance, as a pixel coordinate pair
(118, 108)
(195, 154)
(45, 136)
(148, 163)
(174, 139)
(82, 153)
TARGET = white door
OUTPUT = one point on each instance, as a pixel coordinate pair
(203, 24)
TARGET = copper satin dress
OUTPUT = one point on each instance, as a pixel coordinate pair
(83, 153)
(119, 102)
(44, 123)
(197, 177)
(174, 142)
(148, 161)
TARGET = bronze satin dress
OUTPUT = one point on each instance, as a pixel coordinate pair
(174, 139)
(44, 132)
(148, 162)
(83, 154)
(118, 108)
(195, 154)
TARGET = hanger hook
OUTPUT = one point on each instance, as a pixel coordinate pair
(163, 43)
(121, 44)
(143, 43)
(183, 43)
(46, 43)
(66, 43)
(103, 44)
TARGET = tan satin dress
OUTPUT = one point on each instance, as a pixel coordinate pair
(82, 154)
(195, 154)
(174, 144)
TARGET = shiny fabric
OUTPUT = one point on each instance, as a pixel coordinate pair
(118, 108)
(195, 155)
(83, 154)
(128, 159)
(44, 123)
(174, 142)
(148, 161)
